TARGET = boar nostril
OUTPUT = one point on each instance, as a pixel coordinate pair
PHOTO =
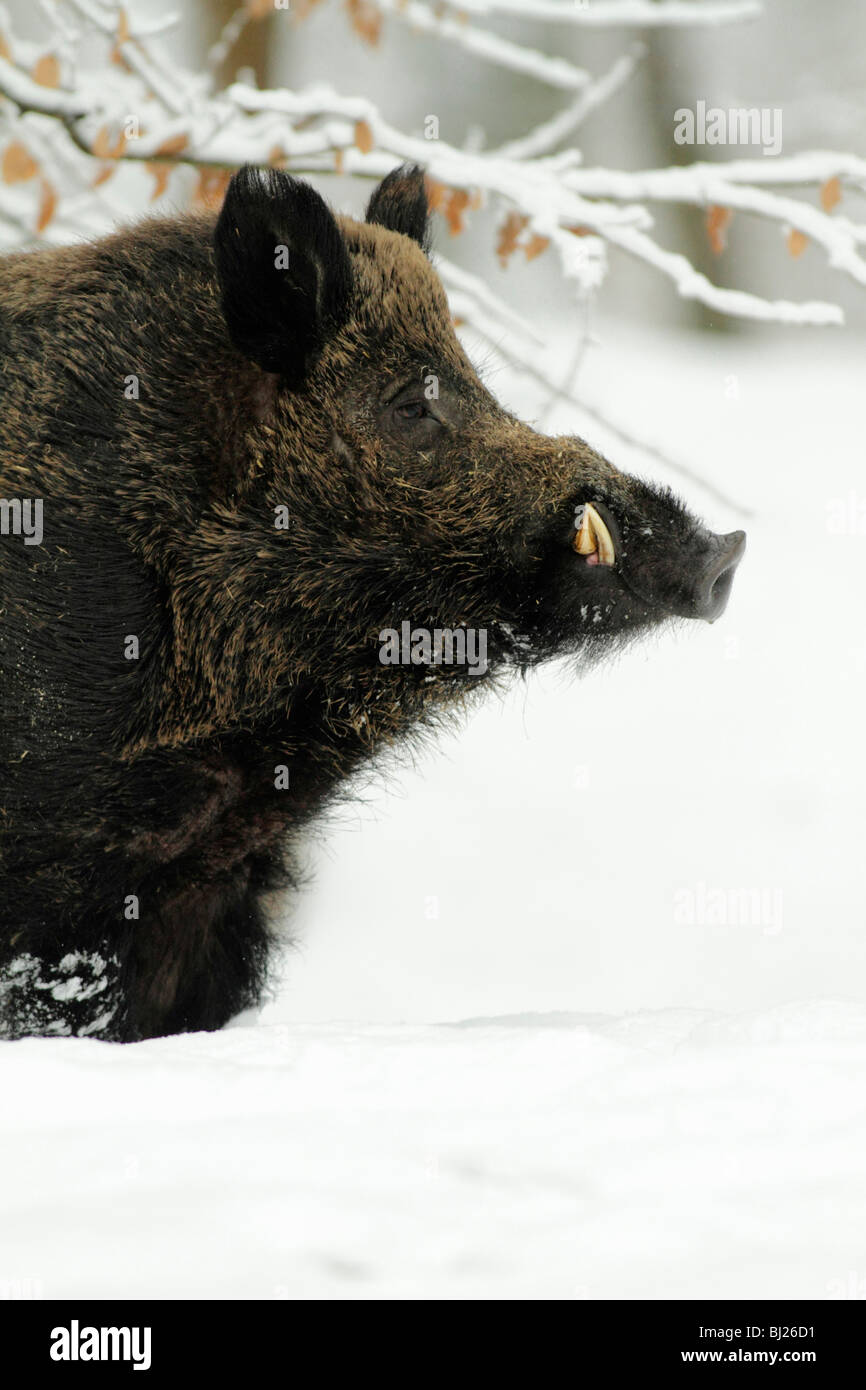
(715, 578)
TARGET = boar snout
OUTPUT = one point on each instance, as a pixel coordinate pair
(706, 595)
(694, 579)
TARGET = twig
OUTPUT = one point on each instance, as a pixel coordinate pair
(162, 81)
(556, 72)
(31, 96)
(614, 13)
(526, 365)
(458, 280)
(545, 137)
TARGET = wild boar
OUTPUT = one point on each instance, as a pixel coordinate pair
(281, 524)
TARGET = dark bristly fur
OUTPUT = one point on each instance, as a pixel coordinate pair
(400, 203)
(258, 388)
(265, 210)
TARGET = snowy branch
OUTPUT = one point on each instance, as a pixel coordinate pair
(318, 130)
(615, 13)
(31, 96)
(69, 127)
(556, 72)
(708, 185)
(551, 133)
(545, 196)
(130, 47)
(691, 284)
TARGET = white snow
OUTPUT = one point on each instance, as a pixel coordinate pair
(600, 956)
(659, 1155)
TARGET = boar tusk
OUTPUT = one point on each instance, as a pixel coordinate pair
(593, 536)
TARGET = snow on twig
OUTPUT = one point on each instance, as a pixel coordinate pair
(578, 212)
(164, 82)
(28, 95)
(549, 198)
(460, 282)
(692, 284)
(525, 361)
(552, 132)
(318, 126)
(556, 72)
(707, 185)
(615, 13)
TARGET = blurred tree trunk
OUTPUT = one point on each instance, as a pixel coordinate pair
(250, 49)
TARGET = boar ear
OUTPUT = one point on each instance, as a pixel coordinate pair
(400, 204)
(283, 268)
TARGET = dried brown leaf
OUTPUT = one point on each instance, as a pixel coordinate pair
(104, 175)
(831, 194)
(160, 173)
(365, 18)
(18, 163)
(100, 145)
(437, 193)
(717, 222)
(509, 232)
(796, 243)
(175, 144)
(211, 187)
(46, 71)
(107, 146)
(364, 137)
(47, 206)
(535, 246)
(454, 210)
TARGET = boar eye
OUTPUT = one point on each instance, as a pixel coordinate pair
(412, 410)
(412, 419)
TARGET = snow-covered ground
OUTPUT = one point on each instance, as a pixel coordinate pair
(554, 1156)
(600, 957)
